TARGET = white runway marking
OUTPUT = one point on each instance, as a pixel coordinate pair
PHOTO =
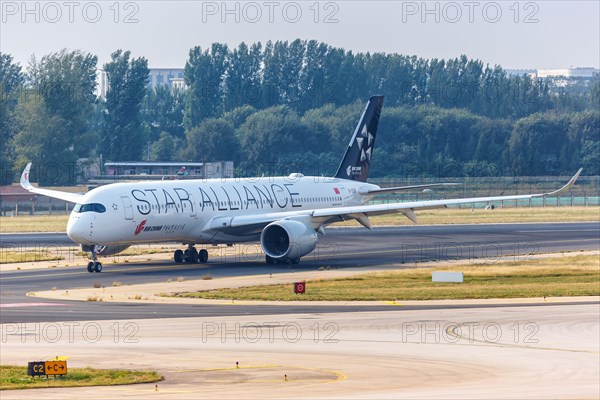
(559, 230)
(13, 305)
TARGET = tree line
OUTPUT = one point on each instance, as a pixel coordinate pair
(292, 106)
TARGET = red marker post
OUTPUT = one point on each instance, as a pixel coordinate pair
(299, 287)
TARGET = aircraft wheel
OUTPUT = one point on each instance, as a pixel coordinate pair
(270, 260)
(98, 267)
(296, 260)
(178, 256)
(193, 257)
(203, 256)
(90, 267)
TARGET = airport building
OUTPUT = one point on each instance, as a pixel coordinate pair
(101, 84)
(532, 73)
(579, 72)
(159, 170)
(583, 72)
(173, 78)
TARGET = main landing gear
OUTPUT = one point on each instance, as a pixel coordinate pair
(94, 265)
(191, 255)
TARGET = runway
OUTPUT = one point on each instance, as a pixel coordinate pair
(407, 235)
(488, 350)
(491, 353)
(340, 248)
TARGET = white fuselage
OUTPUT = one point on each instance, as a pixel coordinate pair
(183, 210)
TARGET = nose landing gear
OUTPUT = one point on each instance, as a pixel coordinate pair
(94, 265)
(191, 255)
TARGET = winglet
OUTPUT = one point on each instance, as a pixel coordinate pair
(567, 186)
(25, 178)
(66, 196)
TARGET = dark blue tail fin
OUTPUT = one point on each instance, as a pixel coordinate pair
(356, 162)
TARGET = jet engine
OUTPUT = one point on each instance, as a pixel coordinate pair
(288, 240)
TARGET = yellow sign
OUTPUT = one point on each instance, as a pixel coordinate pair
(56, 367)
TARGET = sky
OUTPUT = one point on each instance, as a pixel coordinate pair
(513, 34)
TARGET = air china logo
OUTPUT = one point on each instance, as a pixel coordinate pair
(350, 170)
(140, 227)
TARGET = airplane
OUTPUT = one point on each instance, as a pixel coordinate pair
(285, 214)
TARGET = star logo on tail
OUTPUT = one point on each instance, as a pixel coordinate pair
(365, 152)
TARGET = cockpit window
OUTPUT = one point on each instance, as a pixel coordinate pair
(94, 207)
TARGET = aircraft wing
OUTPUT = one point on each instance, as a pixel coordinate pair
(66, 196)
(319, 217)
(402, 188)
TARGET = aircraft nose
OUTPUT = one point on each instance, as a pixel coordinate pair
(76, 230)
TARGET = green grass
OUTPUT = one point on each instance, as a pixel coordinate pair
(34, 223)
(58, 223)
(7, 257)
(12, 377)
(556, 276)
(482, 216)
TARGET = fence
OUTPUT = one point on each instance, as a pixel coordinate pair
(39, 205)
(586, 192)
(559, 201)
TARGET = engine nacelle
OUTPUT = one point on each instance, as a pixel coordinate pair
(105, 250)
(288, 239)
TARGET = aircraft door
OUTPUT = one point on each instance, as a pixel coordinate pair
(128, 207)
